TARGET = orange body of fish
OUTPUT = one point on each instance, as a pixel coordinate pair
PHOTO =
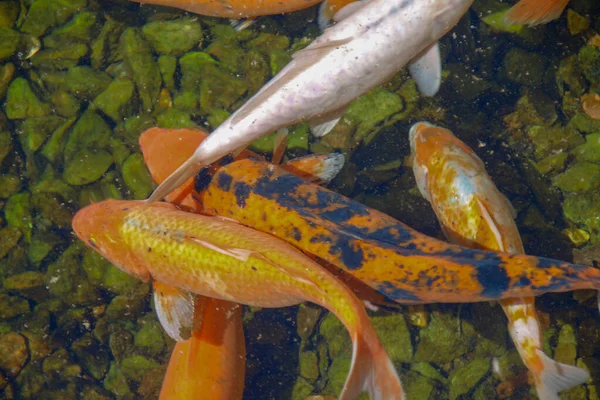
(395, 260)
(221, 259)
(211, 364)
(535, 12)
(246, 8)
(473, 213)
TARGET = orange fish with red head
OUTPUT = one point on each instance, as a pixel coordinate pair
(473, 213)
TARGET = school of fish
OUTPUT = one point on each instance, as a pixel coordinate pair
(216, 246)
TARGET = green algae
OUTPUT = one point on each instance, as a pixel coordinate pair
(22, 102)
(175, 37)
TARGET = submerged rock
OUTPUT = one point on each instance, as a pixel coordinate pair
(136, 177)
(175, 37)
(581, 177)
(87, 166)
(464, 379)
(13, 353)
(21, 101)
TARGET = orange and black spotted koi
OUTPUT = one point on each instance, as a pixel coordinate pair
(390, 257)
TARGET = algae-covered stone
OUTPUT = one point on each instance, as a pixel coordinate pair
(175, 37)
(24, 281)
(553, 140)
(136, 176)
(115, 280)
(576, 22)
(149, 339)
(60, 58)
(144, 70)
(116, 381)
(5, 145)
(87, 166)
(50, 207)
(9, 11)
(168, 66)
(566, 349)
(220, 89)
(336, 336)
(55, 146)
(17, 212)
(135, 367)
(523, 67)
(12, 306)
(590, 151)
(129, 306)
(7, 73)
(393, 333)
(373, 111)
(116, 100)
(85, 82)
(417, 386)
(90, 131)
(173, 118)
(552, 163)
(130, 129)
(104, 48)
(41, 245)
(9, 185)
(256, 70)
(192, 67)
(581, 177)
(589, 60)
(65, 104)
(463, 379)
(44, 14)
(92, 356)
(35, 131)
(79, 28)
(309, 365)
(13, 353)
(21, 101)
(9, 237)
(59, 364)
(583, 123)
(9, 43)
(441, 341)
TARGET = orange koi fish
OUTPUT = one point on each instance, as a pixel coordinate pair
(388, 256)
(211, 364)
(222, 259)
(237, 9)
(535, 12)
(473, 213)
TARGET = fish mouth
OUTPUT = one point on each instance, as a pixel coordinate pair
(415, 131)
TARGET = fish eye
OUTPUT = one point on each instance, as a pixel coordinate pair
(92, 242)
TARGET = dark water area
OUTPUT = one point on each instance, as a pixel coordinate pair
(80, 80)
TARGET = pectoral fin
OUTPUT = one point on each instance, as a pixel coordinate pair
(241, 24)
(280, 145)
(491, 222)
(316, 167)
(336, 10)
(426, 70)
(175, 310)
(322, 125)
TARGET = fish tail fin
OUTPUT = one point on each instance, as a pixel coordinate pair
(371, 371)
(555, 377)
(316, 167)
(534, 12)
(185, 171)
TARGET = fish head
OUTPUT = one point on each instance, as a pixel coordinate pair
(99, 227)
(446, 14)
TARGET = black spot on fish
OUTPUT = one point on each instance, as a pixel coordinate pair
(320, 239)
(524, 282)
(228, 159)
(242, 192)
(395, 234)
(390, 290)
(352, 258)
(149, 249)
(224, 181)
(202, 180)
(296, 234)
(493, 278)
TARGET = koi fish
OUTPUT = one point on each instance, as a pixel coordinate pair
(473, 213)
(251, 8)
(222, 259)
(371, 41)
(534, 12)
(210, 364)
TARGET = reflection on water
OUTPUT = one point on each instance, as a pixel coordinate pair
(80, 80)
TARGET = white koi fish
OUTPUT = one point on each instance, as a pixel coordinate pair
(473, 213)
(370, 42)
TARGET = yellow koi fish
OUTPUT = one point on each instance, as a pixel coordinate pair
(224, 260)
(473, 213)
